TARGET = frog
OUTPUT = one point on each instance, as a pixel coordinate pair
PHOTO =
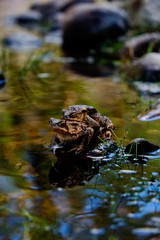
(76, 133)
(91, 117)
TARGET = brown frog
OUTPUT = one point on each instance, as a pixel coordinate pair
(91, 117)
(75, 132)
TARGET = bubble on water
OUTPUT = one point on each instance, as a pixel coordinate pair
(126, 171)
(97, 231)
(145, 232)
(144, 178)
(131, 215)
(155, 200)
(133, 179)
(136, 188)
(43, 75)
(154, 174)
(112, 215)
(140, 183)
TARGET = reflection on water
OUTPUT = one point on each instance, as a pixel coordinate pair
(116, 200)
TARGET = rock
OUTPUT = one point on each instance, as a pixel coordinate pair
(146, 69)
(2, 80)
(140, 146)
(31, 20)
(30, 17)
(144, 14)
(139, 45)
(149, 12)
(21, 41)
(151, 114)
(54, 37)
(147, 88)
(87, 26)
(63, 5)
(49, 9)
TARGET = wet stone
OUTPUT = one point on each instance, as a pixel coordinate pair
(151, 114)
(63, 5)
(144, 14)
(146, 69)
(2, 80)
(22, 41)
(139, 45)
(149, 12)
(30, 17)
(48, 10)
(140, 146)
(87, 26)
(147, 87)
(54, 37)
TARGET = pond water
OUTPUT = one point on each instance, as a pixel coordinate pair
(120, 200)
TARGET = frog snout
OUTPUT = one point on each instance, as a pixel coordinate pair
(51, 121)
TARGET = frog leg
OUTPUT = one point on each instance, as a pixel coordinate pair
(55, 140)
(104, 133)
(85, 141)
(109, 123)
(91, 122)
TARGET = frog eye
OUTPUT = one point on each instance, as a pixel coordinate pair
(61, 124)
(72, 115)
(74, 124)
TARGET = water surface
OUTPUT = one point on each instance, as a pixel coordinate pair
(120, 201)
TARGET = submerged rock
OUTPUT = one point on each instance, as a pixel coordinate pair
(2, 80)
(87, 26)
(139, 45)
(151, 114)
(140, 146)
(21, 41)
(146, 69)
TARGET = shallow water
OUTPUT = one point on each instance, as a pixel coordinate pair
(120, 200)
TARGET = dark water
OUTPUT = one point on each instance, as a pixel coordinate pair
(121, 200)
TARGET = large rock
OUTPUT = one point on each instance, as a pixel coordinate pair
(88, 26)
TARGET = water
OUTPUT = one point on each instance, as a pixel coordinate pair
(118, 200)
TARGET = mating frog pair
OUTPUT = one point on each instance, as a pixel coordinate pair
(81, 125)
